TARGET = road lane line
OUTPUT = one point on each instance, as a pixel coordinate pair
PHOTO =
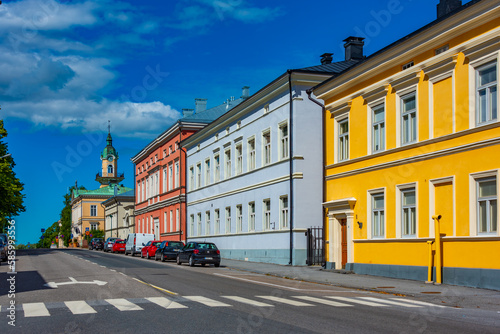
(123, 304)
(248, 301)
(420, 303)
(164, 302)
(390, 302)
(357, 301)
(35, 310)
(156, 287)
(207, 301)
(285, 301)
(79, 307)
(323, 301)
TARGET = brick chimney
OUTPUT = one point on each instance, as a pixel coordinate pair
(187, 112)
(200, 105)
(245, 92)
(447, 6)
(354, 48)
(326, 58)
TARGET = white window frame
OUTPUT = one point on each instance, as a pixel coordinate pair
(376, 125)
(217, 221)
(490, 118)
(198, 175)
(239, 218)
(199, 232)
(191, 225)
(227, 163)
(251, 216)
(251, 162)
(93, 211)
(207, 222)
(191, 178)
(165, 179)
(171, 220)
(216, 167)
(165, 222)
(477, 61)
(266, 214)
(371, 228)
(228, 220)
(170, 176)
(284, 210)
(239, 158)
(283, 140)
(473, 202)
(266, 147)
(207, 172)
(176, 179)
(401, 189)
(413, 139)
(343, 140)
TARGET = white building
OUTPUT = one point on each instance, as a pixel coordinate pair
(255, 175)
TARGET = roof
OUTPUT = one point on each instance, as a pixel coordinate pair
(212, 114)
(109, 149)
(122, 197)
(336, 67)
(104, 191)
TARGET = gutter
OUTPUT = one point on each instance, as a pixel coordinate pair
(180, 184)
(290, 131)
(323, 159)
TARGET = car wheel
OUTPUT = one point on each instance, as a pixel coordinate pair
(203, 264)
(162, 258)
(142, 255)
(191, 261)
(147, 255)
(216, 265)
(178, 260)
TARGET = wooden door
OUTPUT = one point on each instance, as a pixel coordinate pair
(343, 224)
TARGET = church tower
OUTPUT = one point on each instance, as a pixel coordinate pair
(109, 157)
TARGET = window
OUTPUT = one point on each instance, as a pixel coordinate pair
(284, 141)
(228, 220)
(408, 65)
(199, 224)
(110, 169)
(164, 153)
(165, 222)
(143, 198)
(177, 220)
(251, 216)
(176, 183)
(164, 179)
(217, 221)
(217, 168)
(239, 159)
(487, 205)
(378, 128)
(191, 178)
(170, 150)
(94, 226)
(191, 225)
(487, 96)
(171, 220)
(267, 214)
(207, 172)
(266, 108)
(284, 211)
(378, 216)
(207, 222)
(198, 176)
(409, 214)
(239, 218)
(227, 167)
(442, 49)
(343, 139)
(266, 143)
(251, 154)
(93, 210)
(408, 119)
(170, 177)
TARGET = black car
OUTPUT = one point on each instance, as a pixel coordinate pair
(168, 250)
(199, 252)
(96, 243)
(108, 244)
(3, 251)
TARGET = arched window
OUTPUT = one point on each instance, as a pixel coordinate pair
(110, 169)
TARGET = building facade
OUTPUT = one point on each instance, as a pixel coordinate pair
(412, 143)
(255, 174)
(160, 178)
(119, 215)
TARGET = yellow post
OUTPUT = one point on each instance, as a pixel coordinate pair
(438, 248)
(429, 269)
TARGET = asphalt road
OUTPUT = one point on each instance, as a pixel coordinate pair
(80, 291)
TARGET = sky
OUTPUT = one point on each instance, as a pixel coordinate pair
(67, 67)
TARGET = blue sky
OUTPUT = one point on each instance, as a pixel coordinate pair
(67, 67)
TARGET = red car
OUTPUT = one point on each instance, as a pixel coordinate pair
(149, 250)
(118, 246)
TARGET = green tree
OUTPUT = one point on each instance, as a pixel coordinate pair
(11, 198)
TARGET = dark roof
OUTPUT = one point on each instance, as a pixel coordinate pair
(337, 67)
(212, 114)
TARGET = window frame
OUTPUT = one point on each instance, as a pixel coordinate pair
(382, 136)
(251, 162)
(403, 114)
(239, 218)
(343, 140)
(239, 158)
(284, 148)
(207, 222)
(266, 147)
(409, 207)
(488, 86)
(284, 212)
(228, 220)
(266, 214)
(251, 216)
(487, 200)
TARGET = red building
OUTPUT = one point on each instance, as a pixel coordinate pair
(160, 173)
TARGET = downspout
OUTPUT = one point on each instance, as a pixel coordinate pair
(323, 131)
(180, 185)
(291, 165)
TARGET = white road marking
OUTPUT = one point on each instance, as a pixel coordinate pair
(207, 301)
(80, 307)
(419, 302)
(322, 301)
(357, 301)
(390, 302)
(123, 304)
(248, 301)
(35, 310)
(166, 303)
(285, 301)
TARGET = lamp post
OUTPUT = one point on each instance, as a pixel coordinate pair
(60, 243)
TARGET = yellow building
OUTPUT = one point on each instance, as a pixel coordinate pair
(413, 133)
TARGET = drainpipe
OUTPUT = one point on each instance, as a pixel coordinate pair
(180, 185)
(291, 164)
(323, 110)
(437, 232)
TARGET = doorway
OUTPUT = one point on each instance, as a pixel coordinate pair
(343, 227)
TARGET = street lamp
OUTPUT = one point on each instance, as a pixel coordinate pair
(60, 225)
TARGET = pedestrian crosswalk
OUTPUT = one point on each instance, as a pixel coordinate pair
(125, 305)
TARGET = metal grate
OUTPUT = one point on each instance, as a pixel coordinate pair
(315, 246)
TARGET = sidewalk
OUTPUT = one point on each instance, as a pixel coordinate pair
(449, 295)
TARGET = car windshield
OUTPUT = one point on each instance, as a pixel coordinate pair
(176, 244)
(207, 246)
(120, 241)
(156, 244)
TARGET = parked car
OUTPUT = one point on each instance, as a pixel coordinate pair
(168, 250)
(199, 252)
(96, 243)
(118, 246)
(108, 244)
(135, 242)
(149, 250)
(3, 251)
